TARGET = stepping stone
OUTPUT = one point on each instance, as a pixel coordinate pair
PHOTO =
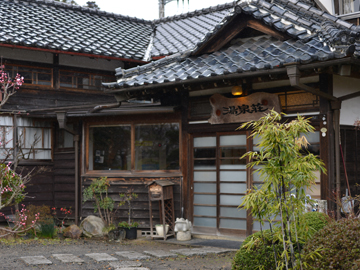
(132, 255)
(161, 254)
(125, 264)
(68, 258)
(190, 252)
(100, 257)
(217, 250)
(35, 260)
(133, 268)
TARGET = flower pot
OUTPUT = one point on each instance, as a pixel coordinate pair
(160, 229)
(131, 233)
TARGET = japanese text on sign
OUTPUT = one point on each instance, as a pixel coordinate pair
(242, 109)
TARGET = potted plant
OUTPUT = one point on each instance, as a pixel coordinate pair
(129, 226)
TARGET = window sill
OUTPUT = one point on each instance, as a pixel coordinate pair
(118, 173)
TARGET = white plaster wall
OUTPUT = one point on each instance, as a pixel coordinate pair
(329, 5)
(26, 55)
(350, 109)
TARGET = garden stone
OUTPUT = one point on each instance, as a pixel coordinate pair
(92, 226)
(73, 232)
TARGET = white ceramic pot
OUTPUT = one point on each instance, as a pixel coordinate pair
(160, 229)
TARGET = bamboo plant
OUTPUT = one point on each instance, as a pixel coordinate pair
(287, 171)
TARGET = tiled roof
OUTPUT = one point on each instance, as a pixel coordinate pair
(313, 36)
(183, 32)
(59, 26)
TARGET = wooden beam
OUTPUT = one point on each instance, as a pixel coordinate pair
(223, 36)
(260, 26)
(233, 28)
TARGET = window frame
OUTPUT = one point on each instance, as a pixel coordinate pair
(16, 139)
(132, 172)
(24, 127)
(14, 70)
(91, 76)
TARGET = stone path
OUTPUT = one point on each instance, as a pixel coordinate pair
(118, 263)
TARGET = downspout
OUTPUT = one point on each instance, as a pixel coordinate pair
(61, 117)
(294, 76)
(102, 107)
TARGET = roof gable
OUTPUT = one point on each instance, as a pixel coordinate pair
(233, 28)
(281, 19)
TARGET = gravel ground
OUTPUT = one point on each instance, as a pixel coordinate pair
(10, 253)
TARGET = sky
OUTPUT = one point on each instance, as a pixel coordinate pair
(149, 9)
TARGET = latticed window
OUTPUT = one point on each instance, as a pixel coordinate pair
(37, 76)
(81, 80)
(34, 139)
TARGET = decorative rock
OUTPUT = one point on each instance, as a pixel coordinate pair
(73, 232)
(183, 236)
(92, 226)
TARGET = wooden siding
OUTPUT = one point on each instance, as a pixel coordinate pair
(55, 186)
(64, 179)
(350, 141)
(140, 206)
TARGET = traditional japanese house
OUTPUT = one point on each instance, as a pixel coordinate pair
(286, 55)
(182, 87)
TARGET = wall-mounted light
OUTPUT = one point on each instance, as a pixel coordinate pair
(236, 90)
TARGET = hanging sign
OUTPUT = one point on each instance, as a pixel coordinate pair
(242, 109)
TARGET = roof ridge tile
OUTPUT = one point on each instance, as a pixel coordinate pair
(87, 10)
(197, 12)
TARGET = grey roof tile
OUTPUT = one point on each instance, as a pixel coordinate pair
(53, 25)
(246, 55)
(181, 33)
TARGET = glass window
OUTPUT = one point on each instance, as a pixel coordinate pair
(157, 147)
(38, 76)
(6, 137)
(349, 6)
(65, 139)
(34, 139)
(110, 147)
(82, 80)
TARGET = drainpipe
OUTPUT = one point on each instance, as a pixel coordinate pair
(294, 76)
(61, 117)
(337, 106)
(102, 107)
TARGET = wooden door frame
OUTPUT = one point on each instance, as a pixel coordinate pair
(248, 180)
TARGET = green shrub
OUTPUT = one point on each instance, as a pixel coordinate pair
(47, 228)
(260, 255)
(339, 243)
(313, 221)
